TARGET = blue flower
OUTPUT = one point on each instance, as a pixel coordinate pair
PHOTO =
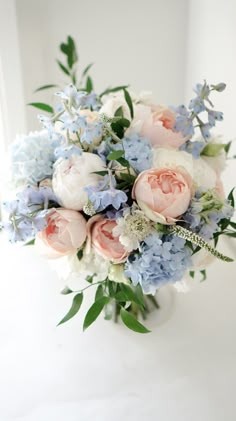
(32, 158)
(194, 148)
(105, 194)
(79, 99)
(91, 132)
(66, 151)
(27, 214)
(206, 210)
(138, 152)
(214, 116)
(161, 260)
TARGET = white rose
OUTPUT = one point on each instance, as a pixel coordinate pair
(170, 158)
(112, 103)
(72, 175)
(203, 175)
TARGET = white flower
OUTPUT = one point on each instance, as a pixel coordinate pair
(203, 175)
(116, 274)
(132, 228)
(113, 102)
(170, 158)
(218, 162)
(74, 272)
(72, 175)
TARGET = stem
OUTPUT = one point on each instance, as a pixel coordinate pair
(89, 286)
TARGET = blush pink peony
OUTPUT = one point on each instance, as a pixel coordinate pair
(103, 241)
(158, 127)
(163, 194)
(65, 233)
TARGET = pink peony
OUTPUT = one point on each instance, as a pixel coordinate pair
(159, 128)
(65, 233)
(163, 194)
(103, 241)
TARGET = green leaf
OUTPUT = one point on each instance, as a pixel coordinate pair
(119, 112)
(94, 311)
(118, 129)
(153, 301)
(123, 162)
(127, 177)
(66, 291)
(86, 70)
(30, 242)
(121, 297)
(232, 224)
(131, 322)
(204, 275)
(114, 155)
(42, 106)
(100, 172)
(129, 102)
(89, 279)
(192, 273)
(89, 84)
(231, 197)
(76, 304)
(41, 88)
(80, 254)
(111, 90)
(227, 146)
(212, 149)
(99, 292)
(130, 295)
(63, 68)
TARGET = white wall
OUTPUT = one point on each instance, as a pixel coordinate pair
(211, 55)
(138, 42)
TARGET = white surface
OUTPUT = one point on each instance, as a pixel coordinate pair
(185, 369)
(136, 42)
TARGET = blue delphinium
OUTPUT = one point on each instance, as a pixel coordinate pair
(32, 158)
(79, 99)
(198, 105)
(66, 151)
(206, 210)
(184, 121)
(138, 152)
(162, 260)
(194, 148)
(105, 194)
(27, 214)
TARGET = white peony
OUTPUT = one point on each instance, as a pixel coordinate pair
(204, 176)
(113, 101)
(72, 175)
(170, 158)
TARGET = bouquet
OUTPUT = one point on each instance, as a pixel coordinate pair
(126, 192)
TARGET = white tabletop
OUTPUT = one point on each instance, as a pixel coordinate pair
(184, 370)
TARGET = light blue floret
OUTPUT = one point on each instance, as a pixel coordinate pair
(161, 260)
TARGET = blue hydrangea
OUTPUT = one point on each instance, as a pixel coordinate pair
(138, 152)
(161, 260)
(27, 214)
(205, 212)
(105, 194)
(32, 158)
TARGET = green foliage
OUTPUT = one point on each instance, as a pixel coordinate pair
(115, 155)
(44, 87)
(129, 103)
(212, 149)
(66, 291)
(76, 304)
(94, 311)
(113, 90)
(131, 322)
(41, 106)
